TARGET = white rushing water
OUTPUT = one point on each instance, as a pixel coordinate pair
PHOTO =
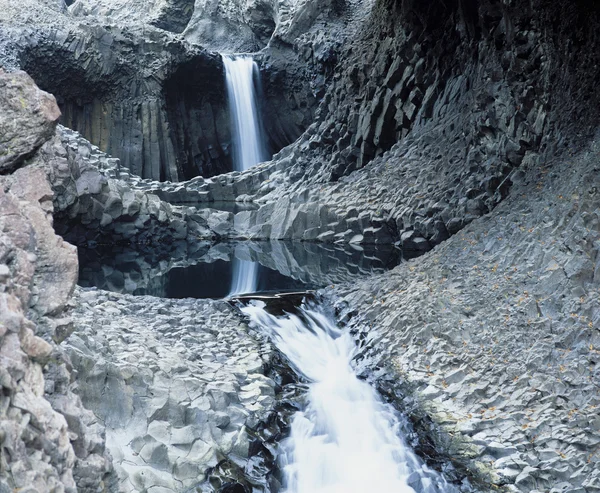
(248, 145)
(346, 440)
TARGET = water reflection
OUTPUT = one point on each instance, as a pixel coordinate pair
(206, 270)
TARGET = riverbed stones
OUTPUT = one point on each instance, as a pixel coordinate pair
(176, 383)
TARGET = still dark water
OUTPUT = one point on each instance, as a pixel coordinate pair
(207, 272)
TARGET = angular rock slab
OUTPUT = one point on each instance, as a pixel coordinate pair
(28, 118)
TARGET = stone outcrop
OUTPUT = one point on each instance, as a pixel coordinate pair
(48, 441)
(494, 334)
(177, 383)
(29, 119)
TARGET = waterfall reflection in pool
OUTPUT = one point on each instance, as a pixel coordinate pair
(347, 439)
(134, 275)
(208, 271)
(245, 277)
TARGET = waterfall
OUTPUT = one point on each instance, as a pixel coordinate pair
(346, 439)
(248, 145)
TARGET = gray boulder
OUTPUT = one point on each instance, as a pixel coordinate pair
(29, 117)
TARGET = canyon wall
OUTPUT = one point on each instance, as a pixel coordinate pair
(48, 440)
(130, 81)
(468, 128)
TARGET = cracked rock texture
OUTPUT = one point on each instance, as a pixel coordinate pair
(177, 383)
(48, 441)
(92, 205)
(495, 333)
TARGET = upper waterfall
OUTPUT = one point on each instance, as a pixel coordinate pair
(248, 143)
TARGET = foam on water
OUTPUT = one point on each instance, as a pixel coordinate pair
(347, 439)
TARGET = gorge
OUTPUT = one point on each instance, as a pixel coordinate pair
(299, 246)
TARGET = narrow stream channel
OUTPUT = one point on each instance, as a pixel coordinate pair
(347, 439)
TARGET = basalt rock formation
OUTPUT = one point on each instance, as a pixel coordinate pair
(464, 132)
(48, 440)
(428, 120)
(128, 79)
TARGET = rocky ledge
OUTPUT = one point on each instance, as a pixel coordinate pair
(176, 383)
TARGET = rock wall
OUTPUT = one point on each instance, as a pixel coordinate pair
(232, 26)
(48, 441)
(109, 84)
(131, 85)
(92, 206)
(170, 15)
(431, 113)
(494, 334)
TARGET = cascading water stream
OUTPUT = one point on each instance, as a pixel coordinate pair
(248, 144)
(346, 440)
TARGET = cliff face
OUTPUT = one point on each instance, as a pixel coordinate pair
(48, 440)
(113, 87)
(430, 116)
(128, 79)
